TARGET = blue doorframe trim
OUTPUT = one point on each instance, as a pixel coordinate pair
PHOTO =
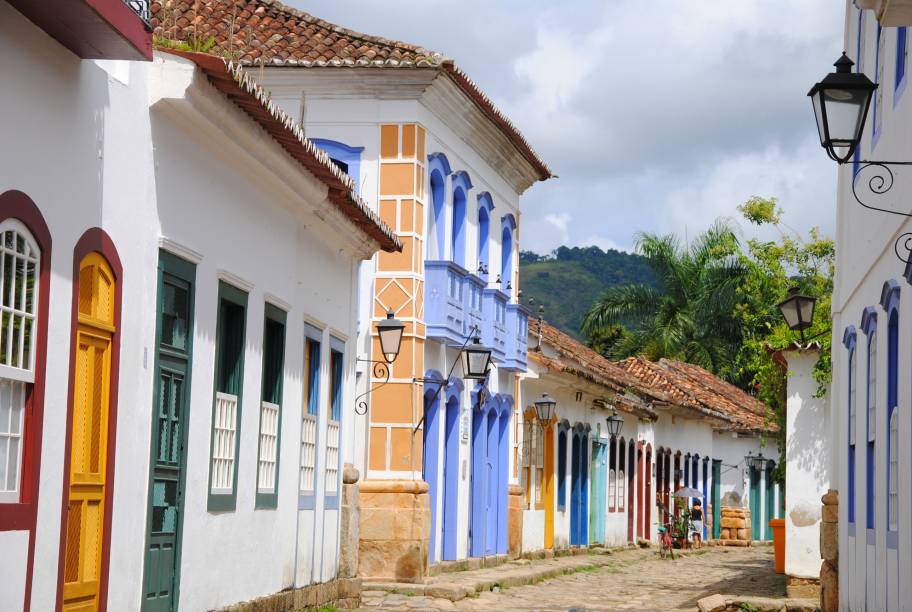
(431, 444)
(450, 525)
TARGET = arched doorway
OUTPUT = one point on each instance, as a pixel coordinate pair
(478, 520)
(503, 472)
(430, 459)
(548, 483)
(677, 482)
(579, 473)
(91, 423)
(450, 502)
(631, 490)
(598, 468)
(640, 484)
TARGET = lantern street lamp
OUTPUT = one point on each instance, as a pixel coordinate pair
(615, 423)
(544, 408)
(390, 332)
(755, 462)
(798, 311)
(476, 358)
(841, 101)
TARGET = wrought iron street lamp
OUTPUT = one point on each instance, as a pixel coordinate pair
(544, 408)
(798, 311)
(476, 359)
(390, 332)
(841, 101)
(615, 423)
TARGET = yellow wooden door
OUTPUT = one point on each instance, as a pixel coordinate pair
(549, 486)
(89, 436)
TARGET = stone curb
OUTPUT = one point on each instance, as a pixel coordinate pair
(726, 603)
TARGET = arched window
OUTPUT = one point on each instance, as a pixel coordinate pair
(848, 339)
(621, 481)
(889, 299)
(612, 474)
(508, 225)
(345, 158)
(869, 325)
(20, 262)
(439, 169)
(461, 187)
(485, 206)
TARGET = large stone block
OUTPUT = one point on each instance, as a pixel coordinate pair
(393, 560)
(377, 523)
(732, 523)
(829, 587)
(829, 514)
(725, 534)
(744, 534)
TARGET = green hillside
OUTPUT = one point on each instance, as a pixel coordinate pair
(569, 280)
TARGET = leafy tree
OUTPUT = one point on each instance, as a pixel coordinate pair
(774, 267)
(691, 315)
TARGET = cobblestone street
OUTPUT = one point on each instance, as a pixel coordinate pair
(624, 580)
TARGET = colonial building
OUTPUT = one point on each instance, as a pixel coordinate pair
(180, 268)
(445, 169)
(872, 311)
(682, 427)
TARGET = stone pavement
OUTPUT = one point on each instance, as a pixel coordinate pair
(633, 579)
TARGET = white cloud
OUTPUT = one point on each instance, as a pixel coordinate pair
(655, 117)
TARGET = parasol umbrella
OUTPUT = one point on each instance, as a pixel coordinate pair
(688, 492)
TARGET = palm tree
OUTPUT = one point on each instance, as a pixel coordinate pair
(691, 315)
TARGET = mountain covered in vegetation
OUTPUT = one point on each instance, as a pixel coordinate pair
(568, 281)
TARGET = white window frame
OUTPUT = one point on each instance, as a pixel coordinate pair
(223, 445)
(853, 397)
(620, 490)
(15, 379)
(893, 484)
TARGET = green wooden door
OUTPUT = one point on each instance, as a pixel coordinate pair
(754, 503)
(770, 504)
(717, 498)
(174, 332)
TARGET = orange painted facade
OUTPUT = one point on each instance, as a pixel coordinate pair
(399, 285)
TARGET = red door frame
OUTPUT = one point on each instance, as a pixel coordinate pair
(677, 482)
(23, 516)
(640, 511)
(647, 510)
(93, 240)
(631, 483)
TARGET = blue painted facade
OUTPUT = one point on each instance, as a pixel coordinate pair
(579, 486)
(490, 473)
(347, 158)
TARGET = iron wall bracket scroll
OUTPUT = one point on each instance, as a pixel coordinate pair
(880, 179)
(381, 371)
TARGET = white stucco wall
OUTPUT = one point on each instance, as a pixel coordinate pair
(807, 475)
(90, 153)
(872, 573)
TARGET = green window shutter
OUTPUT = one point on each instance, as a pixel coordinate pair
(269, 439)
(224, 448)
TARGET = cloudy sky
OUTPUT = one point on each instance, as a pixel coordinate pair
(657, 116)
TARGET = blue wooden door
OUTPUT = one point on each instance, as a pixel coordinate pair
(450, 479)
(584, 491)
(575, 491)
(491, 464)
(430, 469)
(477, 524)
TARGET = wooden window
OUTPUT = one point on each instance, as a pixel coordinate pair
(271, 407)
(621, 481)
(528, 446)
(309, 418)
(612, 489)
(226, 412)
(336, 364)
(19, 266)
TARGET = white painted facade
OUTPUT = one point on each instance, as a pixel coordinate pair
(807, 465)
(348, 106)
(875, 557)
(128, 146)
(687, 434)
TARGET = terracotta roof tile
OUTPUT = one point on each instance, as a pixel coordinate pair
(267, 31)
(243, 91)
(693, 387)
